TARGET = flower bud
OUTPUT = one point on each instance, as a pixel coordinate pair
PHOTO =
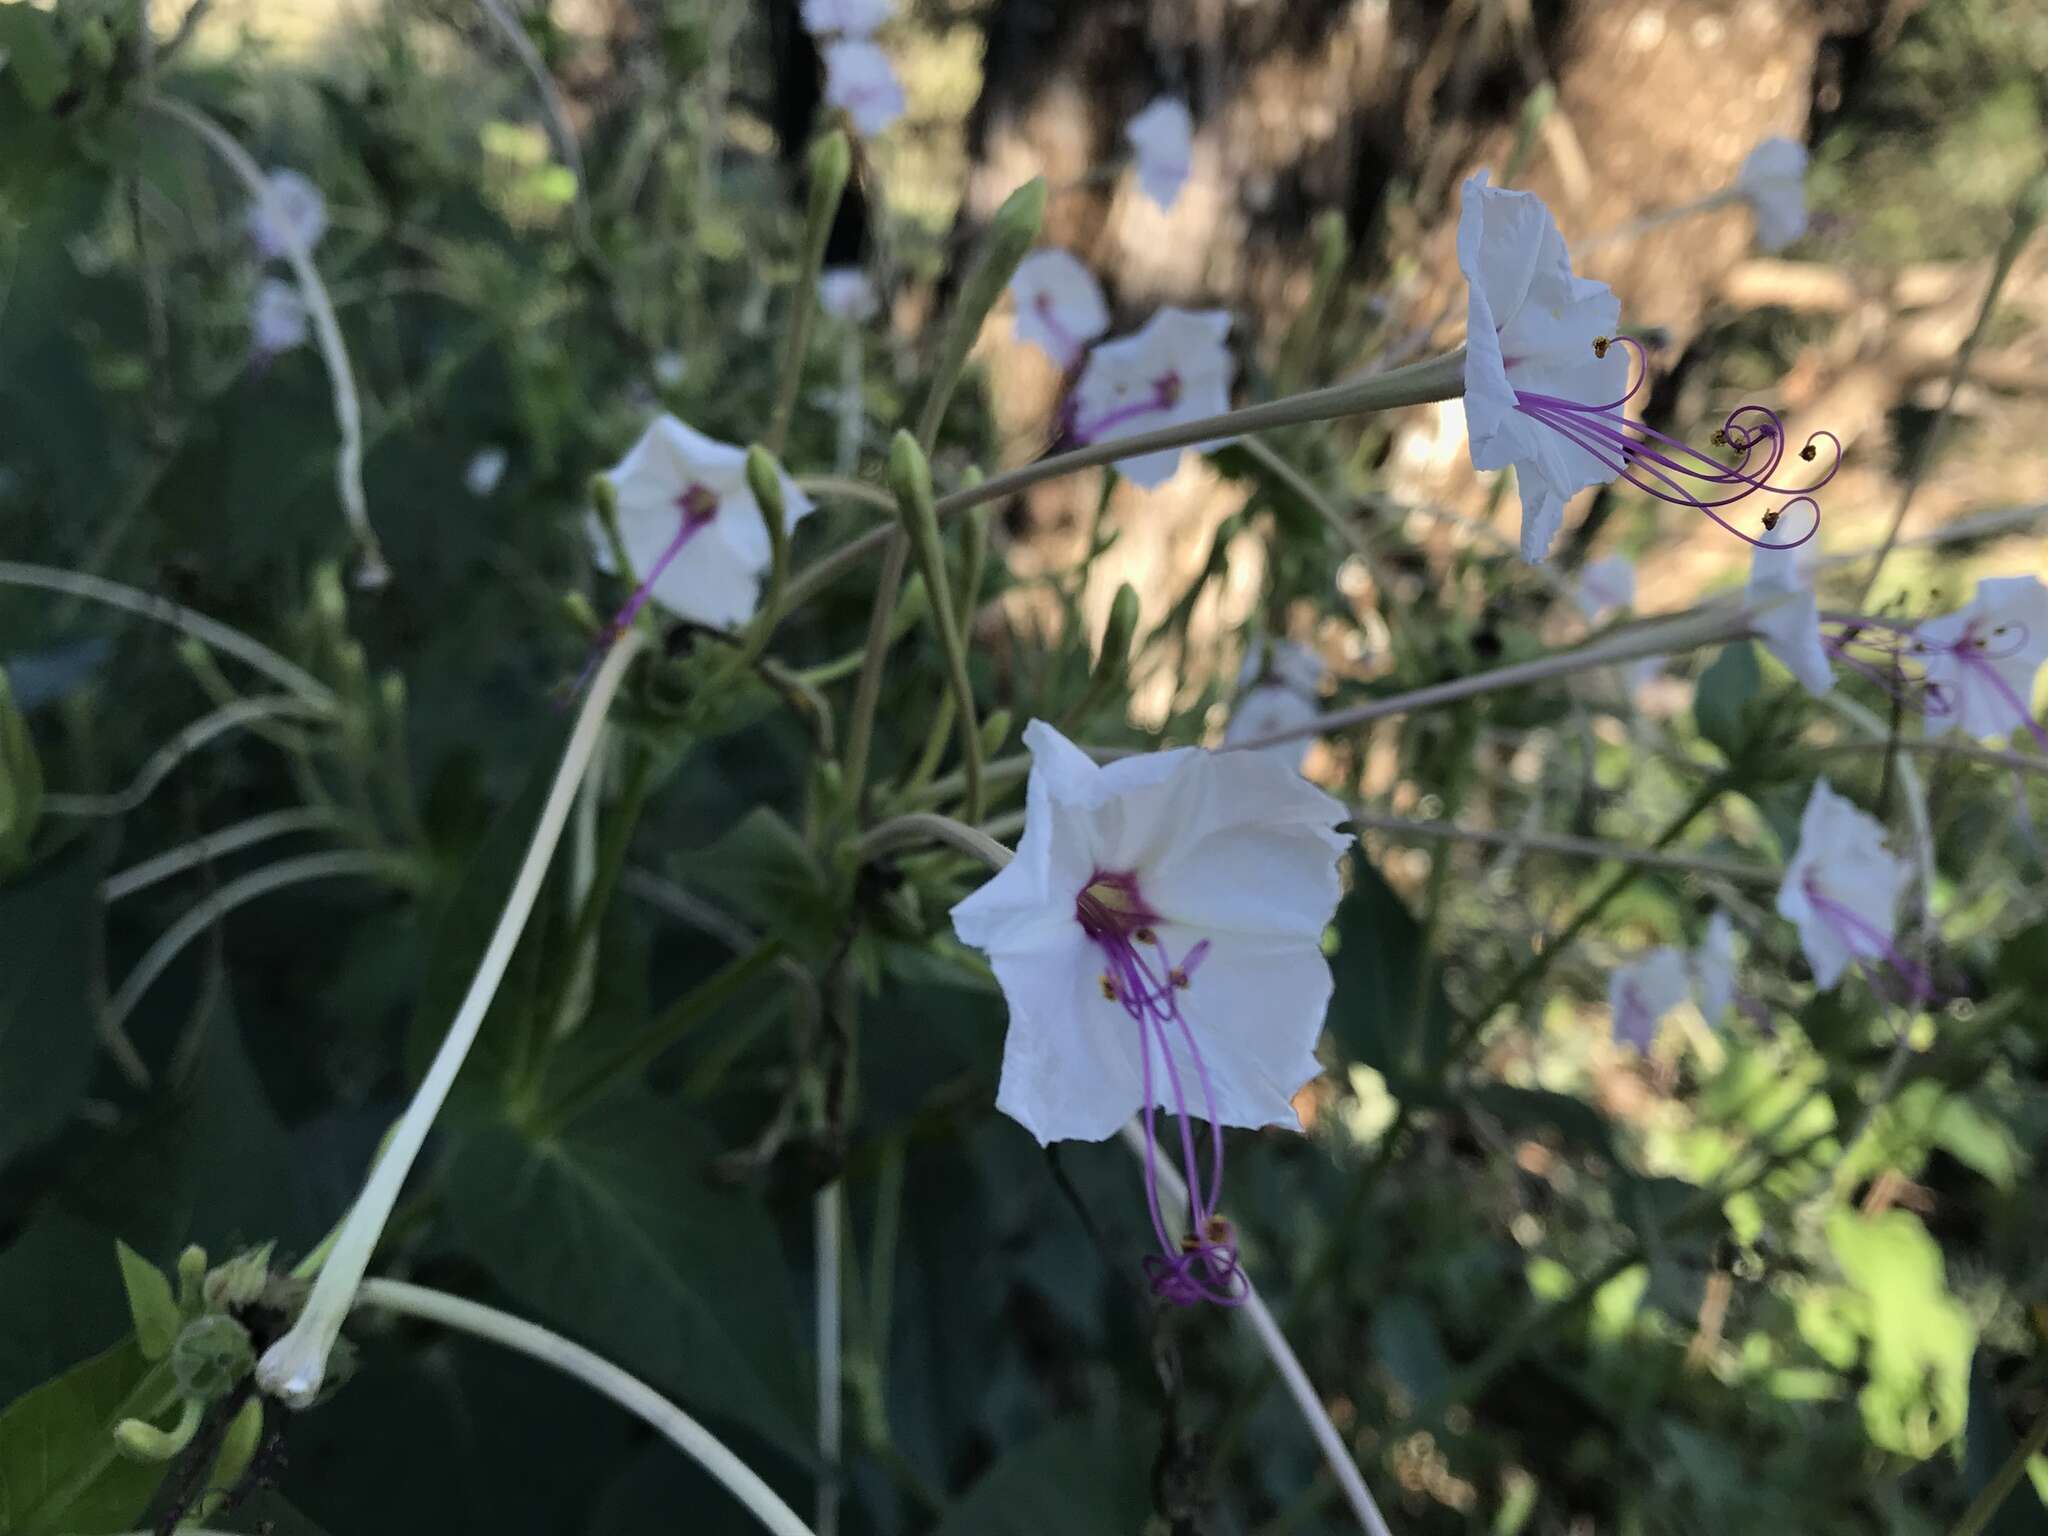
(191, 1278)
(211, 1355)
(764, 479)
(830, 163)
(240, 1280)
(238, 1446)
(994, 731)
(330, 602)
(1010, 236)
(1118, 632)
(140, 1440)
(21, 783)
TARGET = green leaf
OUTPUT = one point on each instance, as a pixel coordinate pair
(60, 1297)
(1921, 1339)
(762, 871)
(1724, 704)
(46, 1032)
(1378, 967)
(1405, 1339)
(1522, 1111)
(1988, 1447)
(58, 1467)
(34, 56)
(609, 1231)
(150, 1303)
(1079, 1478)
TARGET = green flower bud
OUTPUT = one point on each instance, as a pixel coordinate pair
(21, 783)
(139, 1440)
(995, 730)
(764, 479)
(330, 602)
(1010, 235)
(830, 164)
(1117, 634)
(238, 1446)
(211, 1355)
(240, 1280)
(191, 1279)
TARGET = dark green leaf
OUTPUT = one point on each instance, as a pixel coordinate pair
(1724, 705)
(762, 872)
(1078, 1478)
(1523, 1111)
(150, 1303)
(1375, 1012)
(34, 56)
(1407, 1342)
(58, 1467)
(46, 1032)
(60, 1297)
(609, 1231)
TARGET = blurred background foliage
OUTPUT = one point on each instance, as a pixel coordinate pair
(1789, 1277)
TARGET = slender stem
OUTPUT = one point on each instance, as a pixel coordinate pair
(1439, 378)
(1923, 452)
(293, 1368)
(162, 762)
(261, 882)
(601, 1376)
(1990, 757)
(1333, 516)
(1656, 218)
(845, 488)
(1741, 871)
(552, 106)
(16, 573)
(827, 1218)
(924, 827)
(596, 901)
(1173, 1193)
(867, 693)
(372, 572)
(1994, 1493)
(200, 850)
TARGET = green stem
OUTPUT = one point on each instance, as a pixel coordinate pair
(867, 693)
(574, 998)
(1994, 1493)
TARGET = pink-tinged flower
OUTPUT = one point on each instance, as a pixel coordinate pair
(861, 82)
(1176, 369)
(1785, 615)
(1158, 939)
(845, 293)
(294, 214)
(1547, 385)
(1642, 992)
(1773, 182)
(1842, 891)
(845, 18)
(277, 319)
(1163, 139)
(678, 489)
(1713, 969)
(1060, 308)
(1981, 660)
(1606, 585)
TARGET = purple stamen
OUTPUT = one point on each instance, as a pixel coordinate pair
(1165, 395)
(1674, 471)
(1203, 1265)
(1886, 652)
(1069, 347)
(1867, 941)
(697, 508)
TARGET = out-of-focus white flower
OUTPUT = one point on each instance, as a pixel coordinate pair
(1176, 369)
(486, 468)
(861, 82)
(669, 368)
(1842, 889)
(1713, 968)
(277, 318)
(1280, 683)
(845, 293)
(1981, 660)
(1642, 992)
(1158, 939)
(677, 488)
(1606, 584)
(1773, 182)
(1286, 662)
(293, 214)
(1060, 307)
(1786, 616)
(1163, 138)
(1532, 329)
(1638, 675)
(844, 18)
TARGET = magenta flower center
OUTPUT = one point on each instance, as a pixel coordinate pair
(1671, 469)
(1164, 396)
(1892, 655)
(1141, 975)
(1867, 941)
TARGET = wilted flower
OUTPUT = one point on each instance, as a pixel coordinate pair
(844, 18)
(860, 81)
(1059, 305)
(1163, 137)
(1547, 383)
(1973, 670)
(485, 469)
(277, 319)
(1605, 584)
(1786, 616)
(1642, 992)
(294, 214)
(845, 293)
(678, 488)
(1158, 940)
(1773, 182)
(1713, 968)
(1175, 369)
(1842, 891)
(1280, 684)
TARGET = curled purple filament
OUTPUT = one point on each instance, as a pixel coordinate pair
(1867, 941)
(697, 509)
(1165, 395)
(1671, 469)
(1893, 655)
(1203, 1265)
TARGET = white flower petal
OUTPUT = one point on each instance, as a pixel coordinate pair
(1841, 855)
(293, 213)
(485, 469)
(1713, 968)
(1983, 658)
(861, 82)
(1070, 1063)
(1163, 138)
(1606, 584)
(1256, 1013)
(1112, 398)
(1642, 992)
(1786, 616)
(1773, 182)
(848, 18)
(845, 293)
(1265, 711)
(1060, 308)
(277, 318)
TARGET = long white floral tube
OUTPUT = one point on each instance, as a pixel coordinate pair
(293, 1368)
